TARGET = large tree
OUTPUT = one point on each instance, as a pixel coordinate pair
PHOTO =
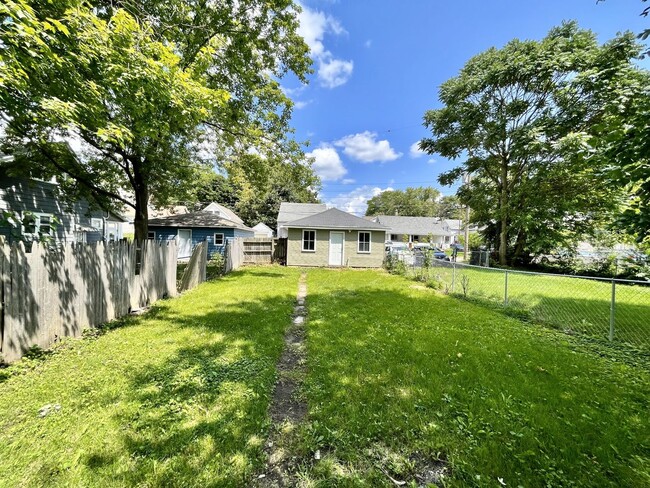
(415, 202)
(512, 117)
(132, 102)
(620, 143)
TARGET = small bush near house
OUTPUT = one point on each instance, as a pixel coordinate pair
(216, 266)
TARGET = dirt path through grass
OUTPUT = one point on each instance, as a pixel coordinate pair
(287, 409)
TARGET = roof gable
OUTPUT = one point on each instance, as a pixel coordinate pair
(224, 212)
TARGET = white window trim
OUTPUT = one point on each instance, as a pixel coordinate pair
(223, 238)
(302, 246)
(369, 251)
(37, 224)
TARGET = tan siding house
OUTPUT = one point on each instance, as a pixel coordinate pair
(335, 238)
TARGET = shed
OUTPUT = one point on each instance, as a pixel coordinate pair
(335, 238)
(194, 227)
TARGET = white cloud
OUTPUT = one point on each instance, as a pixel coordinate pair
(356, 201)
(327, 163)
(431, 161)
(366, 148)
(334, 72)
(368, 43)
(415, 151)
(314, 25)
(348, 181)
(299, 104)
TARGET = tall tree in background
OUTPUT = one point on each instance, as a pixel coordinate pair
(132, 101)
(415, 202)
(254, 187)
(513, 117)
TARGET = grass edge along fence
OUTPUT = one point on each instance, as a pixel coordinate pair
(55, 292)
(610, 309)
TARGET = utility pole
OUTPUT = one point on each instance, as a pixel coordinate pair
(466, 180)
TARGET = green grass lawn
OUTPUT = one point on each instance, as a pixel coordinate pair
(177, 397)
(572, 304)
(398, 375)
(396, 369)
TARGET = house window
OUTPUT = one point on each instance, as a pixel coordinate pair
(309, 240)
(45, 225)
(151, 235)
(37, 224)
(364, 242)
(394, 237)
(218, 239)
(97, 224)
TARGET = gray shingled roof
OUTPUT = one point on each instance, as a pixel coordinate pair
(418, 226)
(294, 211)
(197, 219)
(335, 219)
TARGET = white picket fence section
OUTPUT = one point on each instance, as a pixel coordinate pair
(51, 293)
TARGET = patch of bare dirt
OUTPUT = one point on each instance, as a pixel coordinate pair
(287, 408)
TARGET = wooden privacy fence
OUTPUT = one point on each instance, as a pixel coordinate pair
(195, 271)
(234, 255)
(258, 250)
(50, 293)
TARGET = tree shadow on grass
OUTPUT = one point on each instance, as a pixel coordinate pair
(201, 412)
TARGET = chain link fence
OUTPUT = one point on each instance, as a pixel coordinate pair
(604, 308)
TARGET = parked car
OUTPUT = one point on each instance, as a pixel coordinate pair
(437, 252)
(440, 254)
(458, 247)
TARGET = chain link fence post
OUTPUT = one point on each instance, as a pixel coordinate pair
(453, 276)
(612, 311)
(505, 291)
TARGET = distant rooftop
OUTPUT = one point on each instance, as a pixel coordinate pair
(419, 226)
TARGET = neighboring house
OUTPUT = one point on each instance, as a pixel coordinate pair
(335, 238)
(263, 230)
(39, 207)
(213, 225)
(294, 211)
(416, 229)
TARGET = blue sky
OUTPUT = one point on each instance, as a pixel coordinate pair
(377, 68)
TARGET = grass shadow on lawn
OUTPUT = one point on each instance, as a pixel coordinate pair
(399, 371)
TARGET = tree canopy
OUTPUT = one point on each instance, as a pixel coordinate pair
(254, 188)
(414, 202)
(516, 119)
(132, 102)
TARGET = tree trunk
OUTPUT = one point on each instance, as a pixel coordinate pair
(141, 221)
(503, 204)
(520, 246)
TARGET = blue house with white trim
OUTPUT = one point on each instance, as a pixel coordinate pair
(215, 223)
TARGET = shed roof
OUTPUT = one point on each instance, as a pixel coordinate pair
(293, 211)
(197, 219)
(336, 219)
(419, 226)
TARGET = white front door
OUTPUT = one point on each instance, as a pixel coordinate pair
(184, 243)
(336, 248)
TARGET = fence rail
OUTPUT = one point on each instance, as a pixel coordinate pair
(50, 293)
(611, 309)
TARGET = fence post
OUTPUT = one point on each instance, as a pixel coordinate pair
(453, 276)
(612, 311)
(505, 293)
